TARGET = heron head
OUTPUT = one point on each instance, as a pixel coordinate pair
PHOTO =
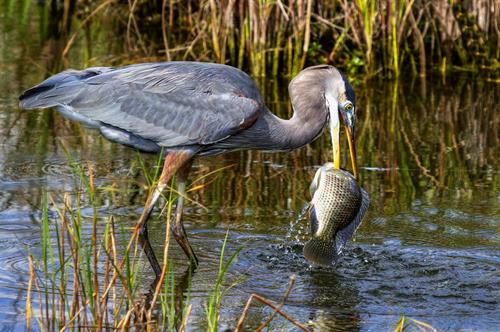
(341, 104)
(325, 88)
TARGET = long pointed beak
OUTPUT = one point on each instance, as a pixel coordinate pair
(334, 129)
(352, 149)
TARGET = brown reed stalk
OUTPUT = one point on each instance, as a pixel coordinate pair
(278, 47)
(419, 43)
(94, 245)
(62, 257)
(253, 33)
(307, 33)
(107, 269)
(132, 21)
(166, 246)
(171, 15)
(298, 22)
(215, 25)
(114, 257)
(270, 304)
(84, 22)
(291, 283)
(229, 31)
(243, 33)
(29, 306)
(164, 29)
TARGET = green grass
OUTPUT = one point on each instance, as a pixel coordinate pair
(68, 282)
(215, 298)
(78, 280)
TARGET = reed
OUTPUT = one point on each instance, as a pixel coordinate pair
(81, 282)
(365, 10)
(270, 37)
(71, 274)
(411, 324)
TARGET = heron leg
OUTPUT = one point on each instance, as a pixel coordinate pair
(173, 161)
(149, 252)
(178, 226)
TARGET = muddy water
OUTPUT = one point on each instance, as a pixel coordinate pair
(429, 247)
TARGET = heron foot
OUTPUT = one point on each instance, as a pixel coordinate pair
(148, 250)
(181, 238)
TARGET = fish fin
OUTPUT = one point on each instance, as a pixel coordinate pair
(320, 252)
(346, 233)
(313, 220)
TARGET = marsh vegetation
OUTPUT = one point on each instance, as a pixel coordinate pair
(426, 79)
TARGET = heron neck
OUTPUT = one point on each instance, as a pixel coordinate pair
(279, 134)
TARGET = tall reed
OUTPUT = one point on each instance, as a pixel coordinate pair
(89, 276)
(80, 277)
(270, 37)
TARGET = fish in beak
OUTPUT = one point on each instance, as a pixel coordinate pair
(336, 210)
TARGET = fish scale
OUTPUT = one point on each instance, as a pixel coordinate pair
(337, 208)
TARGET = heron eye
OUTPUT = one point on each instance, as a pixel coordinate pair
(348, 107)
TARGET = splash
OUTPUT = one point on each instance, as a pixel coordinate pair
(298, 232)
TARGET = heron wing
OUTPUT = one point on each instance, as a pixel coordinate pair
(172, 103)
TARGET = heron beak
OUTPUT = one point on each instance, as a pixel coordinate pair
(349, 120)
(352, 149)
(334, 129)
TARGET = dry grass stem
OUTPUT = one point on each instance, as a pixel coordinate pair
(276, 308)
(85, 21)
(285, 297)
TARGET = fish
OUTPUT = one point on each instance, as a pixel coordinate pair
(336, 210)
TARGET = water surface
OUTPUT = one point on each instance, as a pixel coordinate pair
(428, 248)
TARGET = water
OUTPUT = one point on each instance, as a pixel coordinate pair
(428, 248)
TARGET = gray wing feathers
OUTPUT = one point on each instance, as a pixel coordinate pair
(172, 104)
(58, 89)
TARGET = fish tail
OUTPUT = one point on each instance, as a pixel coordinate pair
(321, 252)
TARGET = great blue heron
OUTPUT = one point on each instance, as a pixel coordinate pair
(192, 108)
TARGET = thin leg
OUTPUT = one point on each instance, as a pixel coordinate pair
(178, 227)
(173, 162)
(149, 252)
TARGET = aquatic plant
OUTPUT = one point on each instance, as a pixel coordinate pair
(92, 279)
(406, 324)
(79, 280)
(215, 298)
(271, 37)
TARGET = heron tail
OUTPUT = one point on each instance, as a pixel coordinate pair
(58, 89)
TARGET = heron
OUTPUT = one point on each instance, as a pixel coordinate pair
(190, 109)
